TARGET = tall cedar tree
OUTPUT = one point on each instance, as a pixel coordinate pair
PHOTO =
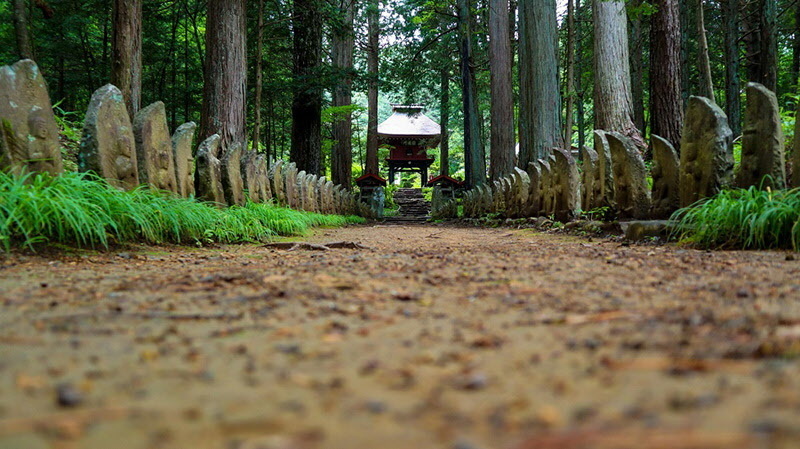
(373, 54)
(666, 111)
(613, 105)
(225, 86)
(474, 156)
(126, 51)
(733, 107)
(444, 112)
(342, 55)
(760, 30)
(259, 77)
(307, 103)
(703, 61)
(24, 48)
(540, 100)
(502, 105)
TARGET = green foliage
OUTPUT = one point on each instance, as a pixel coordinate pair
(80, 209)
(70, 136)
(745, 219)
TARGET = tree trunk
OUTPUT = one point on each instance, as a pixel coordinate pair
(706, 83)
(474, 157)
(683, 11)
(796, 47)
(24, 48)
(540, 99)
(373, 53)
(342, 55)
(126, 51)
(259, 77)
(666, 109)
(444, 112)
(579, 94)
(570, 90)
(637, 67)
(502, 106)
(307, 104)
(224, 107)
(760, 42)
(733, 108)
(613, 105)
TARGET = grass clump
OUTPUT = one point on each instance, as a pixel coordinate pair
(743, 219)
(83, 210)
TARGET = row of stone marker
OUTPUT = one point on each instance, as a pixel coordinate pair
(128, 154)
(614, 174)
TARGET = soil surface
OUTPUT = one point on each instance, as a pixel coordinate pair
(428, 337)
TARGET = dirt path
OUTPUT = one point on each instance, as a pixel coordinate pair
(432, 337)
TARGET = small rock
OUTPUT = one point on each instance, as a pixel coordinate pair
(472, 382)
(375, 407)
(68, 396)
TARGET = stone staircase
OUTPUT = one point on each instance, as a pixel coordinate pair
(413, 207)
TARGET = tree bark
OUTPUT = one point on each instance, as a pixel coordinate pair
(343, 47)
(683, 11)
(761, 44)
(540, 99)
(259, 77)
(444, 113)
(307, 104)
(502, 105)
(373, 53)
(579, 94)
(474, 157)
(126, 52)
(637, 67)
(224, 107)
(24, 48)
(796, 47)
(706, 84)
(733, 108)
(570, 90)
(666, 111)
(613, 105)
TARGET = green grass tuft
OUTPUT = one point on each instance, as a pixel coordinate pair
(743, 219)
(82, 210)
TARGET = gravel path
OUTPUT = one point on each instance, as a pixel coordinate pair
(427, 337)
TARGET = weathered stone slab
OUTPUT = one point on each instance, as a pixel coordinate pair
(311, 181)
(591, 182)
(796, 150)
(182, 141)
(290, 184)
(547, 187)
(763, 155)
(605, 170)
(232, 182)
(28, 130)
(566, 185)
(250, 179)
(706, 152)
(263, 174)
(534, 207)
(209, 172)
(108, 147)
(666, 175)
(320, 191)
(302, 191)
(631, 190)
(154, 148)
(276, 181)
(329, 203)
(522, 187)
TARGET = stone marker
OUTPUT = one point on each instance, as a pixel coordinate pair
(232, 183)
(182, 142)
(666, 174)
(591, 183)
(276, 181)
(547, 186)
(28, 130)
(290, 185)
(154, 148)
(263, 175)
(605, 171)
(108, 147)
(796, 150)
(534, 207)
(250, 179)
(762, 142)
(209, 172)
(631, 190)
(566, 186)
(706, 153)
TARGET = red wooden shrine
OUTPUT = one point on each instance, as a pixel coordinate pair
(409, 134)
